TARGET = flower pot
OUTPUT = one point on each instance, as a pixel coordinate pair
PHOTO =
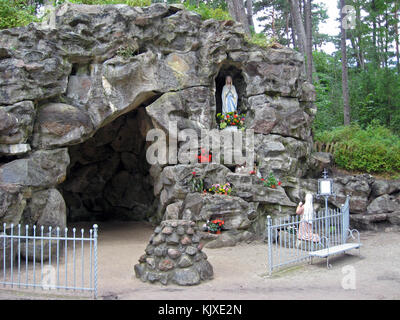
(231, 128)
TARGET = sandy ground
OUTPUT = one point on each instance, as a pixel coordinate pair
(240, 273)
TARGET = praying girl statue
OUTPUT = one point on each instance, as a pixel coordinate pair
(229, 96)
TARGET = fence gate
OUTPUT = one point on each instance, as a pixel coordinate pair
(52, 259)
(289, 240)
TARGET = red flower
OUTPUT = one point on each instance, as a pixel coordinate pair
(279, 183)
(235, 116)
(262, 179)
(227, 116)
(194, 173)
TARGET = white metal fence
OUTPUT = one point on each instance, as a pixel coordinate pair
(51, 259)
(289, 244)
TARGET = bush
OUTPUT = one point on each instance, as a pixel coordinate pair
(374, 149)
(16, 14)
(208, 12)
(261, 40)
(132, 3)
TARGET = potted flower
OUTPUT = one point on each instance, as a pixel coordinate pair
(214, 226)
(271, 182)
(197, 184)
(225, 189)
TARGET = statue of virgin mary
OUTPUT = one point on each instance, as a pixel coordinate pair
(229, 96)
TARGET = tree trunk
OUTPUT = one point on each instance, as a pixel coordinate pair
(374, 37)
(396, 29)
(345, 81)
(299, 26)
(249, 8)
(238, 13)
(294, 32)
(309, 44)
(359, 36)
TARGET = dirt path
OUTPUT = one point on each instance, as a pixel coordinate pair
(240, 273)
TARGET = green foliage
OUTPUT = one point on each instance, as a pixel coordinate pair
(197, 184)
(261, 40)
(271, 181)
(126, 52)
(208, 12)
(132, 3)
(16, 14)
(374, 149)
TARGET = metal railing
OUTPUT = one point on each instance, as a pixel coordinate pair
(288, 243)
(31, 257)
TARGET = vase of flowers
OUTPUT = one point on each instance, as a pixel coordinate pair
(231, 119)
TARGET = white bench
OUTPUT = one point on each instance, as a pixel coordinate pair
(342, 248)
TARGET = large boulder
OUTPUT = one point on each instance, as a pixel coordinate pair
(278, 115)
(236, 212)
(16, 122)
(42, 169)
(383, 204)
(46, 209)
(357, 187)
(282, 156)
(59, 124)
(13, 199)
(381, 187)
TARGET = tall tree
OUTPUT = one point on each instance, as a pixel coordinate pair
(237, 11)
(396, 37)
(249, 8)
(309, 41)
(298, 25)
(345, 81)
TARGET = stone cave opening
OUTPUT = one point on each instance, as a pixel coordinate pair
(108, 177)
(228, 69)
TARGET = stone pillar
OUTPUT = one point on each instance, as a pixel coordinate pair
(174, 255)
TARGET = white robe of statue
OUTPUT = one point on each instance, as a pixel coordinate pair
(229, 99)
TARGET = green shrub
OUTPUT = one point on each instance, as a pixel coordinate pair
(374, 149)
(132, 3)
(261, 40)
(208, 12)
(16, 14)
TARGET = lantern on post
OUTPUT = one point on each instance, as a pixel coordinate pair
(325, 189)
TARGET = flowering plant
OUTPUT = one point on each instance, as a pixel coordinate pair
(215, 226)
(225, 189)
(197, 183)
(271, 181)
(231, 119)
